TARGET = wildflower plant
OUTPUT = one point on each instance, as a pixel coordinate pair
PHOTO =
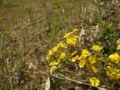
(98, 68)
(60, 53)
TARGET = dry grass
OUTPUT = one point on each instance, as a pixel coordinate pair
(29, 29)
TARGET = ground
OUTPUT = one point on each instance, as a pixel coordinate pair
(28, 29)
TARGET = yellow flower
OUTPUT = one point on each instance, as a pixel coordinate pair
(117, 71)
(91, 67)
(81, 57)
(114, 57)
(68, 35)
(52, 69)
(94, 69)
(54, 63)
(109, 68)
(62, 55)
(118, 76)
(75, 58)
(75, 30)
(54, 49)
(94, 81)
(62, 45)
(85, 52)
(72, 40)
(92, 59)
(82, 63)
(112, 75)
(108, 73)
(48, 57)
(50, 52)
(118, 47)
(96, 48)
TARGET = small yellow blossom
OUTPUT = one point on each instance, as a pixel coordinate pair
(75, 58)
(118, 47)
(96, 48)
(94, 69)
(118, 76)
(117, 71)
(55, 48)
(54, 63)
(85, 52)
(62, 45)
(114, 57)
(92, 59)
(50, 52)
(75, 30)
(112, 75)
(81, 57)
(91, 67)
(52, 68)
(72, 40)
(94, 81)
(48, 57)
(82, 63)
(109, 68)
(62, 55)
(108, 73)
(67, 35)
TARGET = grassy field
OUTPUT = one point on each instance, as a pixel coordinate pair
(29, 28)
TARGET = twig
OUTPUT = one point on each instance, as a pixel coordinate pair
(61, 76)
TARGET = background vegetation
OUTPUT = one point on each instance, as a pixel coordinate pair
(29, 28)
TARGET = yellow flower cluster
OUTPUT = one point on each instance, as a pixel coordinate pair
(113, 73)
(59, 52)
(84, 57)
(113, 67)
(54, 56)
(70, 38)
(87, 60)
(92, 60)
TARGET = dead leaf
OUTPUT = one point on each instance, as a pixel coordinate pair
(47, 84)
(118, 41)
